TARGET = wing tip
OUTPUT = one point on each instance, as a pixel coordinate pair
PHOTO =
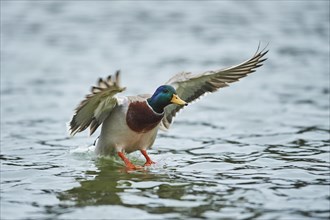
(70, 128)
(262, 52)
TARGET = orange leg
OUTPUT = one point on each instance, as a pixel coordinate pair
(128, 163)
(149, 162)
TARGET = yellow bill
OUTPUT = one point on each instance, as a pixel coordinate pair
(177, 100)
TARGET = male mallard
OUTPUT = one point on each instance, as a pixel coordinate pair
(131, 123)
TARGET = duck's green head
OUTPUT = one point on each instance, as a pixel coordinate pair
(164, 96)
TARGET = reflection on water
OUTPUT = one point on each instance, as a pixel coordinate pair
(112, 184)
(102, 187)
(258, 149)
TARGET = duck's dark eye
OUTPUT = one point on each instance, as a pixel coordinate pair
(166, 91)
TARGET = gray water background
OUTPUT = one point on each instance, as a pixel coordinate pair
(258, 149)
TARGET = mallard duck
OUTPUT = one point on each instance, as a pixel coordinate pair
(131, 123)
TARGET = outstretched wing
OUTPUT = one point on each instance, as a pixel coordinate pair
(96, 107)
(190, 86)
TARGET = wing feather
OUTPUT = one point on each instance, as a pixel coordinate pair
(96, 107)
(190, 87)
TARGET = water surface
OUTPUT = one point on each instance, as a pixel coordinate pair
(258, 149)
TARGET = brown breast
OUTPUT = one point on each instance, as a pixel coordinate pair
(140, 117)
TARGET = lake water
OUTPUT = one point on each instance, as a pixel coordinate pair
(258, 149)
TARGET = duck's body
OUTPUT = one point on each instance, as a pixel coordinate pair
(131, 123)
(124, 130)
